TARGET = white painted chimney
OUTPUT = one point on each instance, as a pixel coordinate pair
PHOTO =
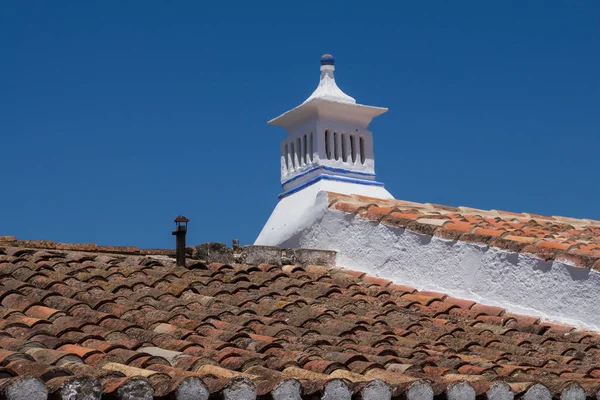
(328, 148)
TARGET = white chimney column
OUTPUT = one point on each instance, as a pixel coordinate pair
(337, 128)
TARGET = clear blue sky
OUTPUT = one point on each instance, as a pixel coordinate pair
(117, 116)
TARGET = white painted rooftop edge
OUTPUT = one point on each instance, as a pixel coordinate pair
(521, 283)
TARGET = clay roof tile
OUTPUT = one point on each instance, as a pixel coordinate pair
(264, 330)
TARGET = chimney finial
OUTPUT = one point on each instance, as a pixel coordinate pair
(179, 233)
(327, 59)
(328, 89)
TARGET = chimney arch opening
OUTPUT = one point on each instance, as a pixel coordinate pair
(362, 149)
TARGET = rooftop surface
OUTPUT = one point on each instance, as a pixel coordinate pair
(82, 321)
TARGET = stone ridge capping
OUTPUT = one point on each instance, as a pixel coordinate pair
(51, 245)
(569, 240)
(254, 255)
(217, 252)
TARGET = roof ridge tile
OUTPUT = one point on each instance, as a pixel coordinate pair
(546, 237)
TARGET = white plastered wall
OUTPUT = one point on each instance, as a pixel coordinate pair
(518, 282)
(297, 213)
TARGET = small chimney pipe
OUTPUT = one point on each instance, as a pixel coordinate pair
(179, 233)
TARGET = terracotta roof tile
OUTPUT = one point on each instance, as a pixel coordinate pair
(127, 325)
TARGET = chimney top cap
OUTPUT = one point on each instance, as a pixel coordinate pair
(181, 218)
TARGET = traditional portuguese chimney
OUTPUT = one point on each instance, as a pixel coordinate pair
(328, 148)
